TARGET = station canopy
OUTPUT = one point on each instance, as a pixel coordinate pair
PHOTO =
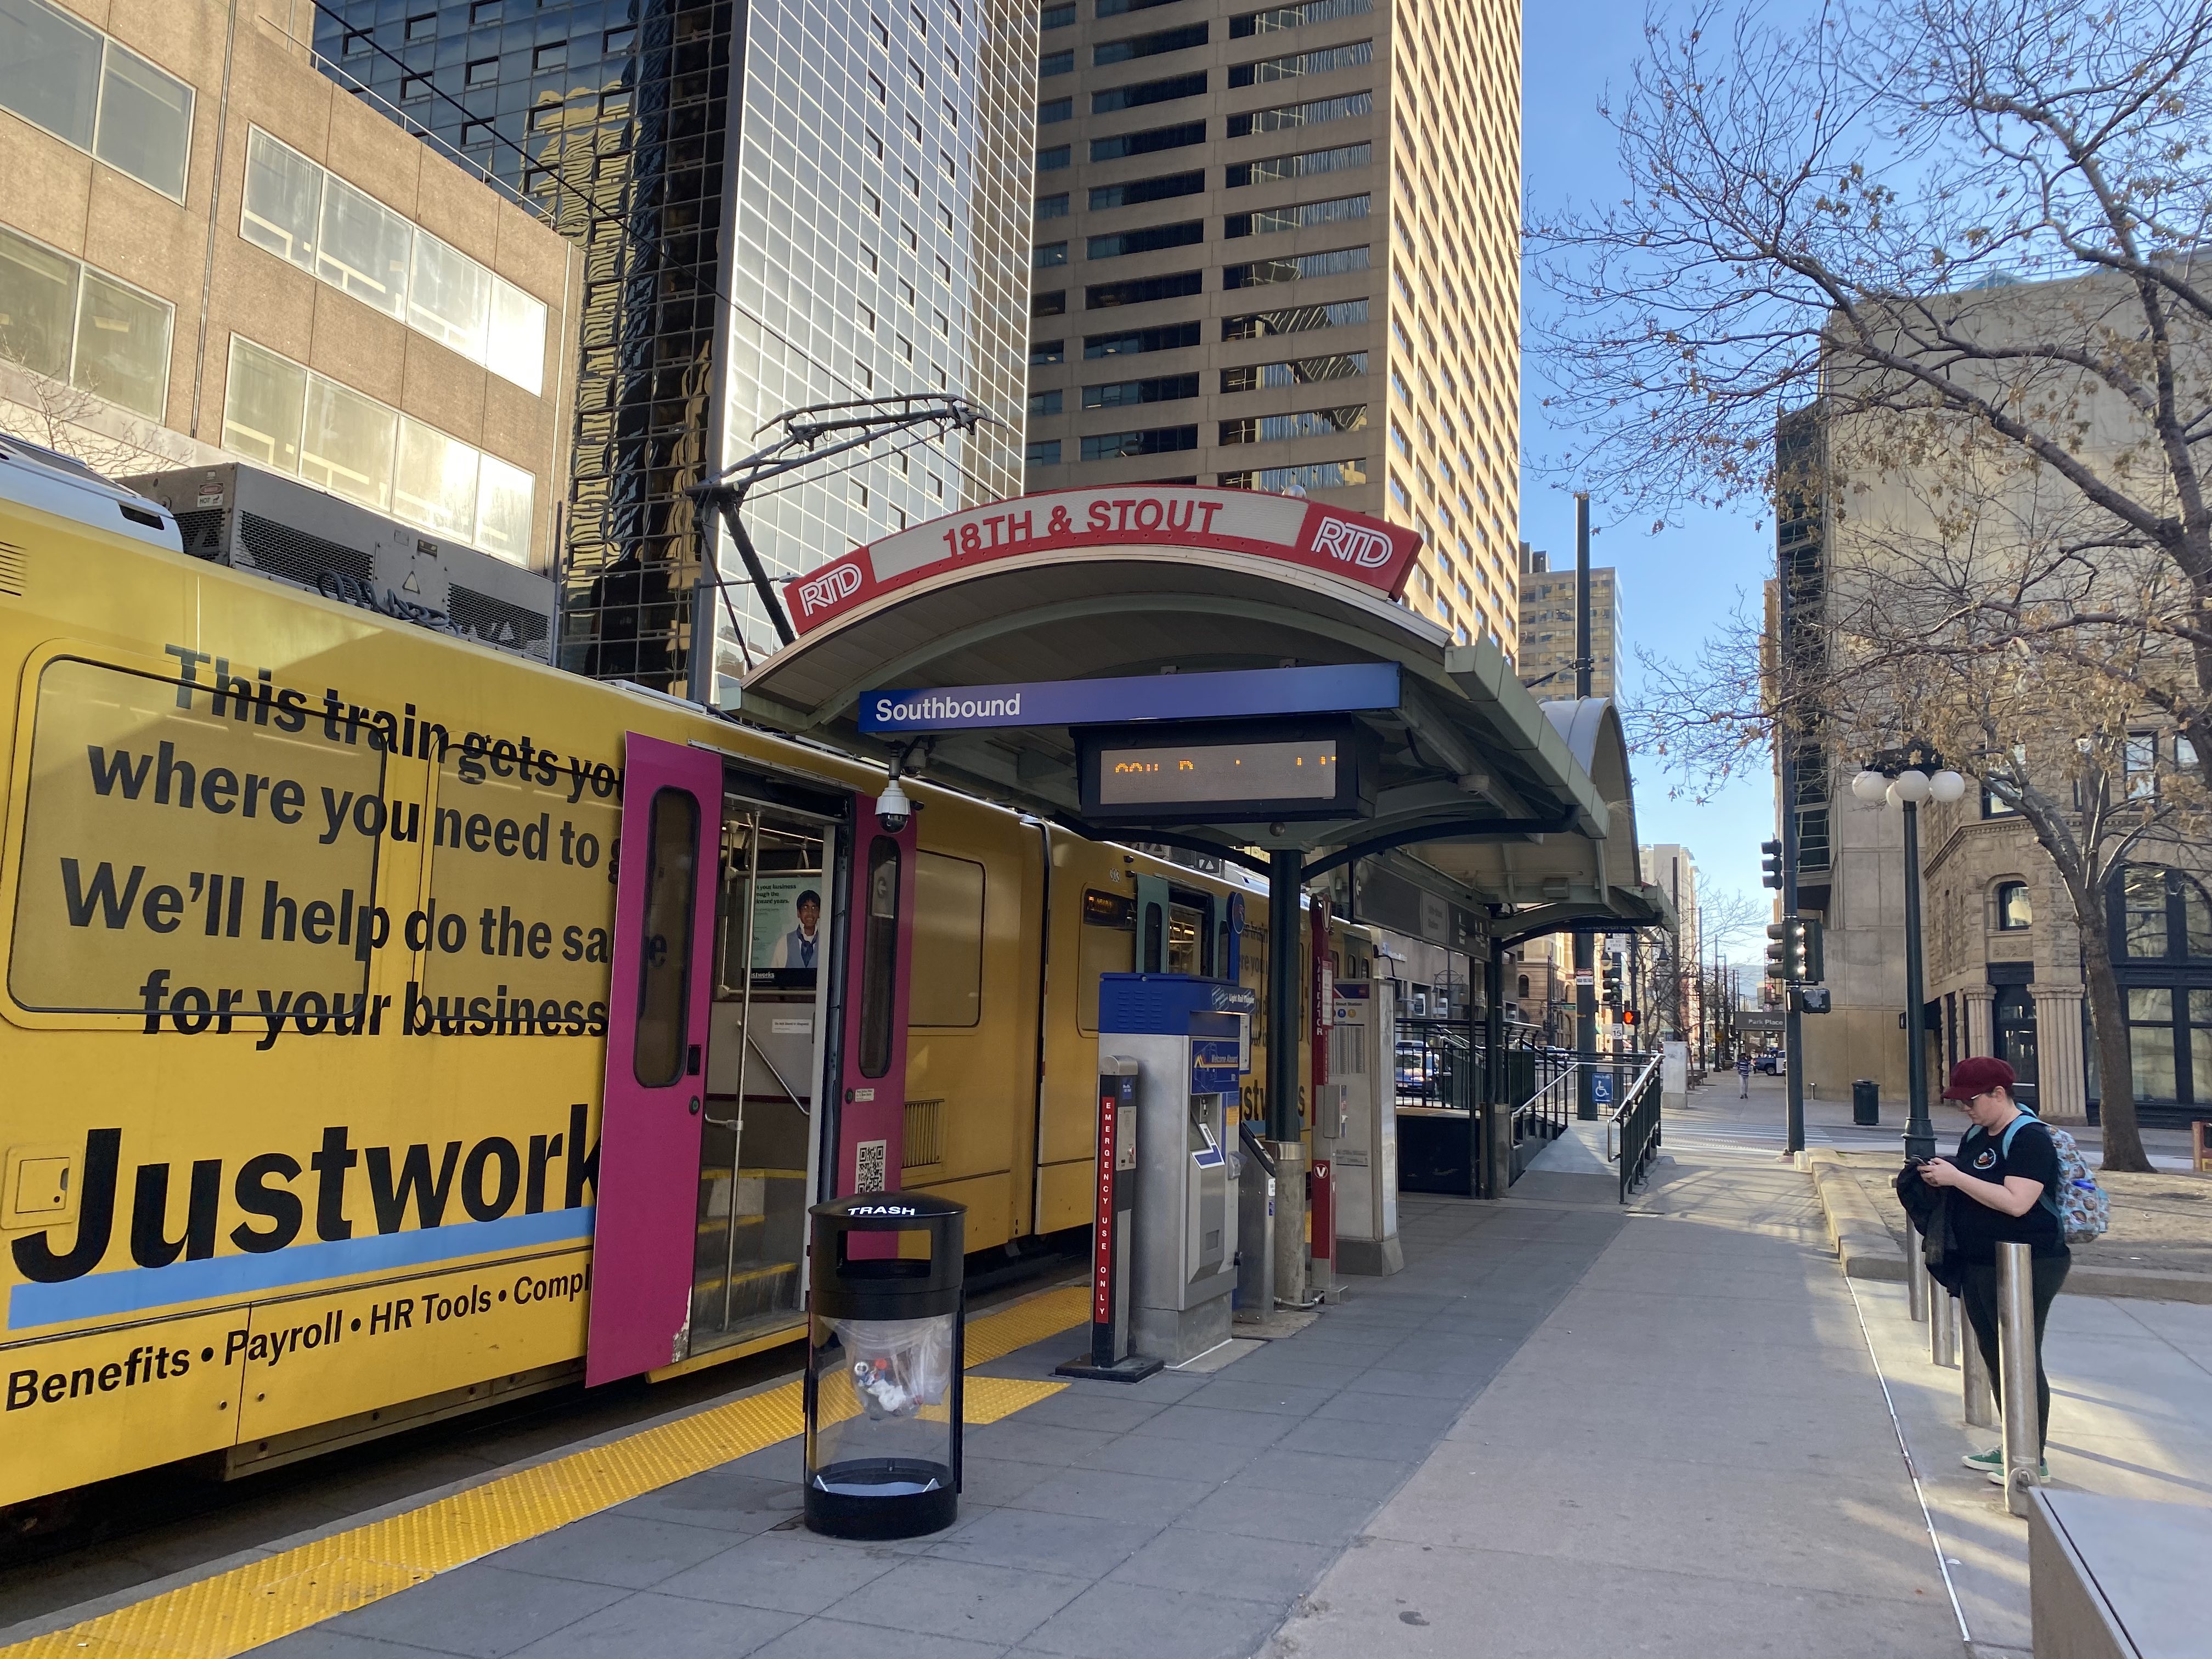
(1479, 793)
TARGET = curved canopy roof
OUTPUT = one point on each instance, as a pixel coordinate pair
(1482, 793)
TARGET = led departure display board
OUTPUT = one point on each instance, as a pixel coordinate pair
(1185, 773)
(1225, 772)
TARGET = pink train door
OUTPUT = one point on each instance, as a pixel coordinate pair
(660, 984)
(872, 1063)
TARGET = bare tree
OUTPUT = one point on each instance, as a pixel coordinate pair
(58, 416)
(1845, 210)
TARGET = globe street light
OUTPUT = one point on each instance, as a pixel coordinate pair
(1902, 776)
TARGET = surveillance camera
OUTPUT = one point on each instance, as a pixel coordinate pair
(893, 808)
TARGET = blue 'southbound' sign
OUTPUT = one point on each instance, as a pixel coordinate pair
(1241, 692)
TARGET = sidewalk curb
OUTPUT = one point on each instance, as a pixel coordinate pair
(1867, 1250)
(1864, 1246)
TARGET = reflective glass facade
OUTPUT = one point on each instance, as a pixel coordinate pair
(874, 164)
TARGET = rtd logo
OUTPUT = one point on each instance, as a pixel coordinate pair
(828, 588)
(1351, 543)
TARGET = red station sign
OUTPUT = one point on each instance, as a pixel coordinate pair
(1350, 546)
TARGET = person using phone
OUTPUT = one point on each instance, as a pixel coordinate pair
(2006, 1170)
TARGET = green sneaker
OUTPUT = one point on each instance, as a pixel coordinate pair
(1990, 1461)
(1997, 1474)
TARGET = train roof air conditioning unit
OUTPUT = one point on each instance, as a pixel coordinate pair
(249, 519)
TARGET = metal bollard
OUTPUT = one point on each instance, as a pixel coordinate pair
(1916, 1276)
(1981, 1405)
(1942, 1326)
(2016, 1373)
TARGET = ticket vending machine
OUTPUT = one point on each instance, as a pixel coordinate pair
(1356, 1129)
(1190, 1038)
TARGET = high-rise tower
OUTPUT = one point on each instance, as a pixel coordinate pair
(781, 205)
(1278, 248)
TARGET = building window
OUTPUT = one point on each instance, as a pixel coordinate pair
(1052, 207)
(1048, 253)
(1145, 239)
(1056, 109)
(1045, 402)
(1160, 189)
(1238, 175)
(2014, 912)
(1298, 17)
(1168, 336)
(1180, 136)
(66, 77)
(313, 219)
(1102, 296)
(1306, 423)
(2141, 763)
(291, 419)
(1314, 475)
(1056, 63)
(1301, 217)
(1054, 158)
(74, 323)
(1296, 269)
(1054, 304)
(1056, 16)
(2162, 914)
(1159, 389)
(1295, 319)
(1156, 441)
(1325, 61)
(1041, 451)
(1292, 116)
(1149, 45)
(1149, 92)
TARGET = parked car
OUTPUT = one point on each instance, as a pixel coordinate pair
(1770, 1063)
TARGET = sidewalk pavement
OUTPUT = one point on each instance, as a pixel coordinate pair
(1567, 1428)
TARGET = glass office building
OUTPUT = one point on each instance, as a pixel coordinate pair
(780, 205)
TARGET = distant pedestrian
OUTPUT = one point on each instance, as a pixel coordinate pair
(1743, 1075)
(2007, 1172)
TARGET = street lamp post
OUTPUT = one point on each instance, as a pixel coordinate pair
(1903, 777)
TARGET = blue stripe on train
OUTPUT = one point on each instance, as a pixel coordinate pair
(137, 1289)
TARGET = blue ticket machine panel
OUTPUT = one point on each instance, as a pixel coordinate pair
(1191, 1041)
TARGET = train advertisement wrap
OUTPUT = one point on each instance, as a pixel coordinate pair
(353, 958)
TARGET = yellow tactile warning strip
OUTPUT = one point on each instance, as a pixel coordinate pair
(1026, 1321)
(264, 1600)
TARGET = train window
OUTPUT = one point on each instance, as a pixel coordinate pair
(880, 957)
(1108, 946)
(664, 992)
(1186, 940)
(947, 973)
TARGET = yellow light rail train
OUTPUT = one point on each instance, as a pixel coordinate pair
(321, 936)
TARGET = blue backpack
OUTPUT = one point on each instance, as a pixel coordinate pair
(2084, 1210)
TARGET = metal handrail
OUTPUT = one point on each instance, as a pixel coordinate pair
(1628, 1100)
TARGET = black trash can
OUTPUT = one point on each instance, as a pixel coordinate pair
(1866, 1102)
(883, 1365)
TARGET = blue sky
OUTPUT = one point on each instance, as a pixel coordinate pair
(1677, 584)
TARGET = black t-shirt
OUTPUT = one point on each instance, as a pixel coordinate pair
(1986, 1157)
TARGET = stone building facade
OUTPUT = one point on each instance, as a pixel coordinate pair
(208, 252)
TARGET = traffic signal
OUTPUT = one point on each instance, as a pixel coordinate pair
(1613, 994)
(1628, 1016)
(1813, 1000)
(1770, 865)
(1794, 954)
